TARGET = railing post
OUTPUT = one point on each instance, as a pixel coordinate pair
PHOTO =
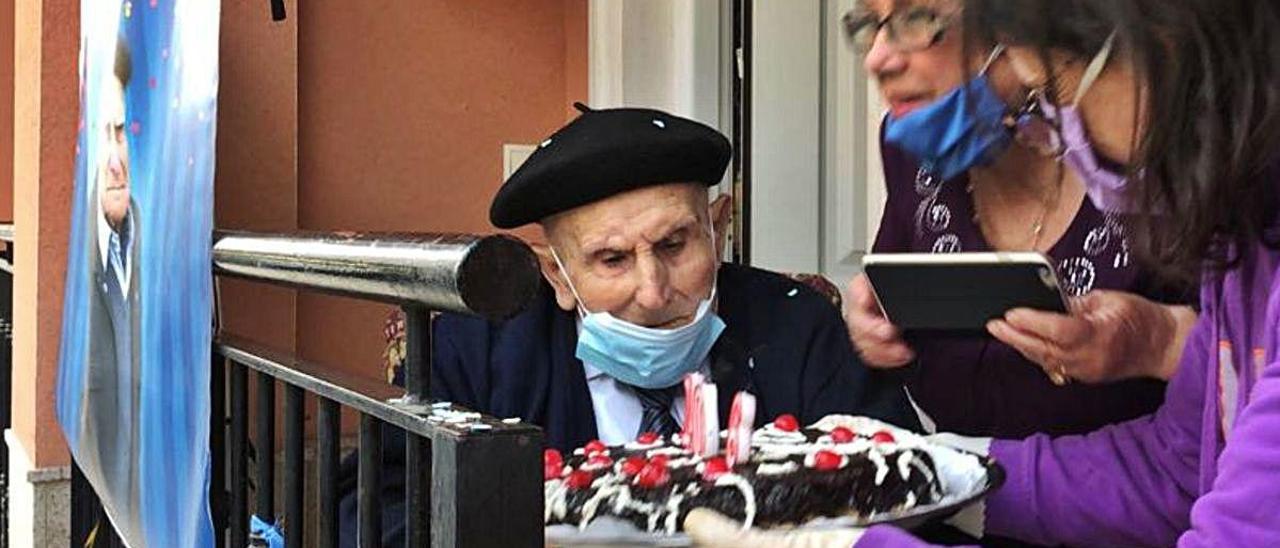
(294, 466)
(417, 370)
(238, 517)
(266, 447)
(487, 490)
(369, 484)
(328, 426)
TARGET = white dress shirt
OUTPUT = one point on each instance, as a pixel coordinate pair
(618, 409)
(104, 248)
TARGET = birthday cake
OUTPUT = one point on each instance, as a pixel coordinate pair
(781, 474)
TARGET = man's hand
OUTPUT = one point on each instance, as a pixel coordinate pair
(1108, 336)
(878, 342)
(709, 528)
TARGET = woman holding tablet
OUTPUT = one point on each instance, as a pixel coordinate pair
(1200, 144)
(969, 167)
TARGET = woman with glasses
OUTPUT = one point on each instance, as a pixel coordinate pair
(971, 165)
(1188, 144)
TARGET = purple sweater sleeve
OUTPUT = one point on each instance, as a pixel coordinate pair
(1130, 484)
(885, 536)
(1240, 509)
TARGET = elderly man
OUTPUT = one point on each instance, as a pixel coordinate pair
(109, 431)
(636, 296)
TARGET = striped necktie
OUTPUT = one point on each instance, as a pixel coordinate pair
(656, 405)
(115, 256)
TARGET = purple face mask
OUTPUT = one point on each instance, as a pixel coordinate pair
(1105, 186)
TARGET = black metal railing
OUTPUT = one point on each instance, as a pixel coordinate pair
(466, 485)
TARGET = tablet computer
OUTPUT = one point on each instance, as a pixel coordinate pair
(960, 291)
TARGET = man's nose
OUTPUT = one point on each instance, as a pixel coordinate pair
(654, 290)
(115, 163)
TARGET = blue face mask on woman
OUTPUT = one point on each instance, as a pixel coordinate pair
(963, 129)
(642, 356)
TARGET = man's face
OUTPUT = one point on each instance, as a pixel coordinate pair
(113, 176)
(645, 256)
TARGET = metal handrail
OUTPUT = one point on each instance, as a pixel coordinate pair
(490, 276)
(455, 472)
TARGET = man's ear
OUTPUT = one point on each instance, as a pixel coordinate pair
(721, 211)
(554, 276)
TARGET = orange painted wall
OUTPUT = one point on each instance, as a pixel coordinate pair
(403, 111)
(6, 111)
(256, 180)
(46, 43)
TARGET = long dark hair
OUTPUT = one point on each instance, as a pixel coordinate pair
(1208, 72)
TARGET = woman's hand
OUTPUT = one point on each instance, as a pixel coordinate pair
(1108, 336)
(877, 341)
(709, 528)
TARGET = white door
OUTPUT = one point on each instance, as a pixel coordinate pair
(816, 184)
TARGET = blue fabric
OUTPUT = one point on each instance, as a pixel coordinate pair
(261, 532)
(134, 446)
(782, 341)
(963, 129)
(647, 357)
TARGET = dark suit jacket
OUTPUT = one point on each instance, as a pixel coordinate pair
(110, 421)
(782, 341)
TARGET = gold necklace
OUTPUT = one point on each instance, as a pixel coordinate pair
(1050, 201)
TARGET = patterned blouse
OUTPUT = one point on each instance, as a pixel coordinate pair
(976, 385)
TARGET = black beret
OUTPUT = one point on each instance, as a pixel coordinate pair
(606, 152)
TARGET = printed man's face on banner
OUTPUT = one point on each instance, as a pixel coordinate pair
(113, 177)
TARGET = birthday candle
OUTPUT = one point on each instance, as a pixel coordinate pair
(742, 418)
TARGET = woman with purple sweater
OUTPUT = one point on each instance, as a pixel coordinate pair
(1201, 185)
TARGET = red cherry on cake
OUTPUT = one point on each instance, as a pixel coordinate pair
(826, 460)
(579, 479)
(594, 446)
(600, 459)
(660, 460)
(714, 467)
(633, 465)
(552, 464)
(786, 423)
(652, 475)
(841, 434)
(882, 436)
(647, 438)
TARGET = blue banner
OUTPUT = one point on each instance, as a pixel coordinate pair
(133, 377)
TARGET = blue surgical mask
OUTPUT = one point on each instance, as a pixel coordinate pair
(644, 356)
(963, 129)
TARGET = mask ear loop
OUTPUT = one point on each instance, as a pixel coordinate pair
(991, 59)
(564, 273)
(715, 250)
(1094, 69)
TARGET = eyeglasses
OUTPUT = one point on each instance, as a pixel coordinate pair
(913, 29)
(1033, 128)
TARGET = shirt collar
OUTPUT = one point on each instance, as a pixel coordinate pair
(126, 242)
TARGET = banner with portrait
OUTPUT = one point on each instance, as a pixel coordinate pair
(133, 377)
